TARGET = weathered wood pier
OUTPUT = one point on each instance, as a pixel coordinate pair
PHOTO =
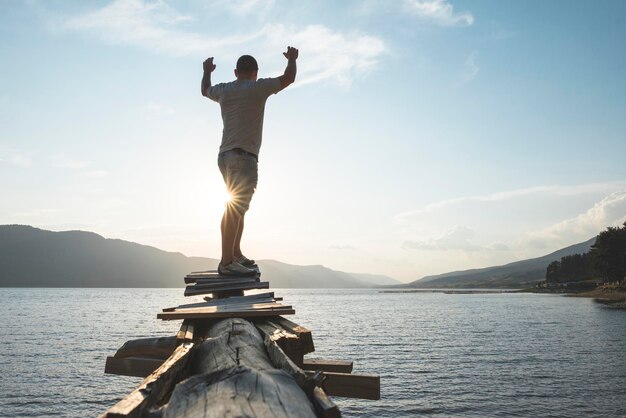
(235, 355)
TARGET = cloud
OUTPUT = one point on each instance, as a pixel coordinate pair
(342, 247)
(610, 211)
(508, 195)
(245, 7)
(470, 69)
(18, 160)
(456, 238)
(440, 12)
(63, 161)
(492, 197)
(158, 109)
(326, 54)
(96, 173)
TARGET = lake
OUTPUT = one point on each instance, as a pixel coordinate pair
(437, 354)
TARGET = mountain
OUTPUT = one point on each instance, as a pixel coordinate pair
(513, 275)
(32, 257)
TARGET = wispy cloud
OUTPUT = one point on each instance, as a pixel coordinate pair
(342, 247)
(96, 173)
(610, 211)
(17, 160)
(245, 7)
(470, 68)
(158, 109)
(438, 11)
(326, 54)
(456, 238)
(63, 161)
(510, 195)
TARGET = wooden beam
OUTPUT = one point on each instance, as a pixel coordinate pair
(192, 277)
(338, 366)
(236, 300)
(286, 310)
(351, 385)
(204, 289)
(132, 366)
(215, 282)
(154, 387)
(159, 347)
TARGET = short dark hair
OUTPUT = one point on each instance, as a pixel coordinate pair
(247, 64)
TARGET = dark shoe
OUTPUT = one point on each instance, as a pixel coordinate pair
(246, 262)
(235, 269)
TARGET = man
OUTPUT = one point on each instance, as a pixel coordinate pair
(242, 103)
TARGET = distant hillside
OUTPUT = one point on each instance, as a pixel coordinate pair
(513, 275)
(32, 257)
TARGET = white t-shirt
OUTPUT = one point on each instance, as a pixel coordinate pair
(243, 105)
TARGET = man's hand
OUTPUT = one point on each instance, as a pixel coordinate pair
(291, 54)
(208, 68)
(290, 72)
(208, 65)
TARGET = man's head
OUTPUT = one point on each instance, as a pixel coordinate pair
(247, 68)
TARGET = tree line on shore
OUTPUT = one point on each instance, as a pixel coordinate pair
(606, 261)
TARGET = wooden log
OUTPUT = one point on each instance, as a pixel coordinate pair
(154, 387)
(286, 310)
(237, 379)
(338, 366)
(132, 366)
(159, 347)
(204, 289)
(351, 385)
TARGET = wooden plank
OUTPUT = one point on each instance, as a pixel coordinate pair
(159, 347)
(189, 333)
(232, 284)
(191, 278)
(211, 282)
(180, 335)
(153, 387)
(238, 300)
(287, 310)
(249, 295)
(191, 291)
(235, 307)
(351, 385)
(132, 366)
(339, 366)
(323, 405)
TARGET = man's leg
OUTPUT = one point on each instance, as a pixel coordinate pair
(237, 247)
(230, 230)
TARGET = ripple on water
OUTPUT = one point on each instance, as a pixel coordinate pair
(439, 355)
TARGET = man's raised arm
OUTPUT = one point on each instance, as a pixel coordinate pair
(208, 68)
(289, 75)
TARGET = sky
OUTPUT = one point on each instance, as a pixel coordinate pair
(420, 137)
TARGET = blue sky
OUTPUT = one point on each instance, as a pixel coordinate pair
(420, 136)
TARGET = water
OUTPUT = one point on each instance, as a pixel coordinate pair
(437, 354)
